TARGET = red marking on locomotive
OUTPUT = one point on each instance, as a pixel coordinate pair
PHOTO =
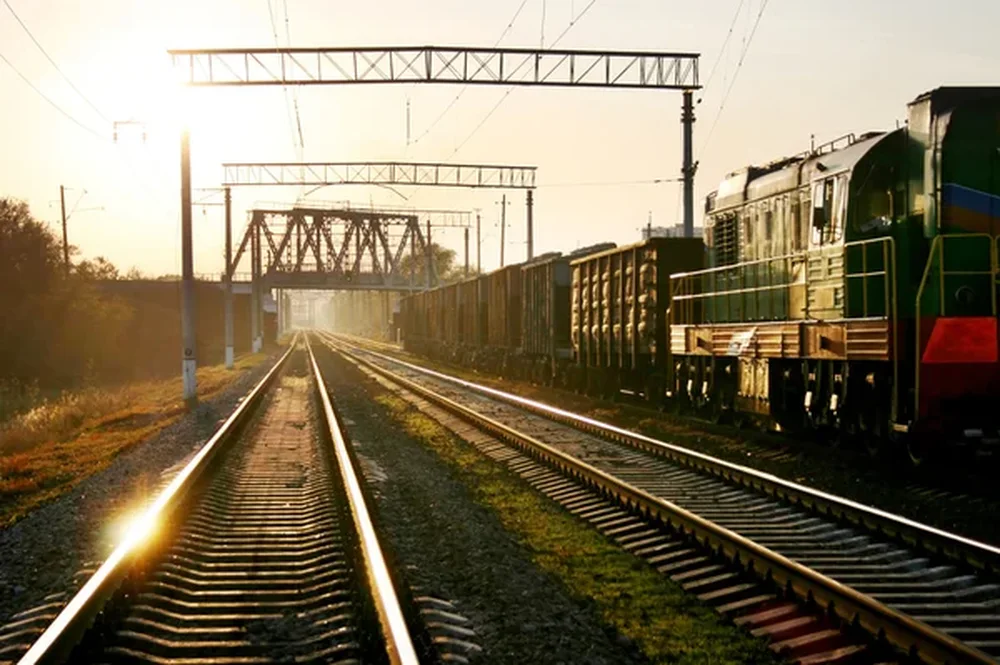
(963, 340)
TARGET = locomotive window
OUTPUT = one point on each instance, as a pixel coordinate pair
(827, 210)
(839, 208)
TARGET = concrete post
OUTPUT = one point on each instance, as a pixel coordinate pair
(189, 364)
(429, 256)
(254, 281)
(688, 167)
(228, 302)
(531, 225)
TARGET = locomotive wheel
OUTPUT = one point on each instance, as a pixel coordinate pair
(919, 449)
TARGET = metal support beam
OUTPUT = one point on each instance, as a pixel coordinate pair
(228, 303)
(531, 226)
(436, 64)
(189, 362)
(479, 246)
(467, 252)
(688, 167)
(424, 174)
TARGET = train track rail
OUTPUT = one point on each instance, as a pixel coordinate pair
(260, 550)
(925, 592)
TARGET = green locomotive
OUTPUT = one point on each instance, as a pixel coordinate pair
(853, 289)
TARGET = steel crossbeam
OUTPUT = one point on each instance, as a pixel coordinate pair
(379, 173)
(437, 64)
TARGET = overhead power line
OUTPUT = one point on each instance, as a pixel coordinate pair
(653, 181)
(295, 93)
(296, 146)
(464, 88)
(52, 103)
(739, 65)
(54, 64)
(725, 43)
(500, 101)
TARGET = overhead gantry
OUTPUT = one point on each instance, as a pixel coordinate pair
(422, 64)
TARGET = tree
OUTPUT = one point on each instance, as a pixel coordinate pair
(96, 269)
(444, 265)
(30, 258)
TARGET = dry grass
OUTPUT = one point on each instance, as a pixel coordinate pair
(44, 452)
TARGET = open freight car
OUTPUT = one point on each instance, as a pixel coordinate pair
(619, 315)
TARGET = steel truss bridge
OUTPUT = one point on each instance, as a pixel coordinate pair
(342, 248)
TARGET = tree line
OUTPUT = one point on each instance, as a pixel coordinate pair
(57, 330)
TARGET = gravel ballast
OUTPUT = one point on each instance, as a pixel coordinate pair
(43, 553)
(960, 496)
(458, 550)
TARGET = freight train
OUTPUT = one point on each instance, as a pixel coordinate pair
(849, 291)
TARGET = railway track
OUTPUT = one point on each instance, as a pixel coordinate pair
(921, 591)
(260, 550)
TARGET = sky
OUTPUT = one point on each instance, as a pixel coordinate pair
(809, 68)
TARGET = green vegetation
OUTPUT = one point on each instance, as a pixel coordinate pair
(667, 624)
(46, 451)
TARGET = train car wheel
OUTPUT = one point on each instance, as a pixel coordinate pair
(654, 390)
(919, 449)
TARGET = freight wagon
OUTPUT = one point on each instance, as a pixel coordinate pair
(619, 320)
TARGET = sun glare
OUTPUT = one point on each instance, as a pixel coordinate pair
(135, 528)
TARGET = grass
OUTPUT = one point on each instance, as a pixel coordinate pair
(46, 451)
(667, 624)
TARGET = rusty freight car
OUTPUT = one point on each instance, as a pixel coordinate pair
(546, 347)
(503, 331)
(619, 323)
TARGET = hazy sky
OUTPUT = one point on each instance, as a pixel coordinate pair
(823, 68)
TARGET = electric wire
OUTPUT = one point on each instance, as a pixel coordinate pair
(506, 94)
(53, 63)
(284, 87)
(52, 103)
(739, 65)
(295, 93)
(651, 181)
(725, 43)
(464, 88)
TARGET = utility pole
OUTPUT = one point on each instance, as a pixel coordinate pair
(62, 204)
(228, 303)
(479, 246)
(503, 226)
(688, 167)
(466, 252)
(189, 362)
(430, 257)
(531, 225)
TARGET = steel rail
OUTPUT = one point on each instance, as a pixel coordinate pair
(399, 645)
(56, 643)
(907, 634)
(978, 554)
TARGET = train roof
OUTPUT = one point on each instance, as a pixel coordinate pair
(753, 182)
(614, 249)
(948, 97)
